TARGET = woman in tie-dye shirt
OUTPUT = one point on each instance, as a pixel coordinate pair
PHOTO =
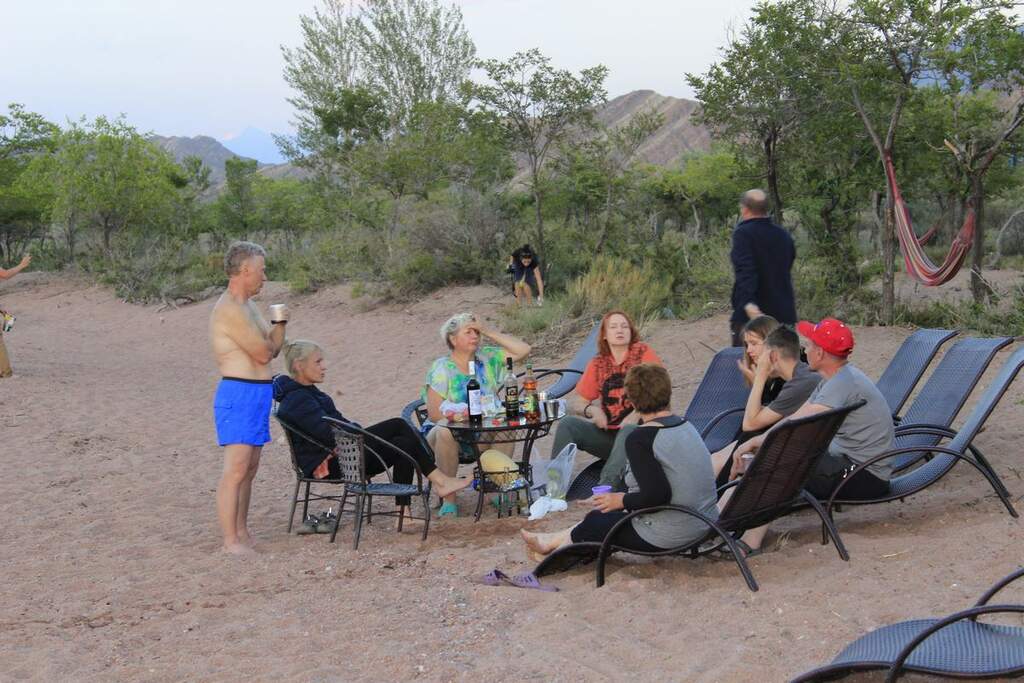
(446, 380)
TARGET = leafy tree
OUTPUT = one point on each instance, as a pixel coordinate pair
(24, 135)
(238, 202)
(538, 107)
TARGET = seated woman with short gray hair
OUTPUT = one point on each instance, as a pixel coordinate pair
(667, 463)
(303, 406)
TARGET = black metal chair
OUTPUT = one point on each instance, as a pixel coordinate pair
(908, 365)
(945, 393)
(293, 435)
(959, 449)
(350, 449)
(716, 409)
(957, 646)
(771, 488)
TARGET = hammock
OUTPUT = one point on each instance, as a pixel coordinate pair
(917, 263)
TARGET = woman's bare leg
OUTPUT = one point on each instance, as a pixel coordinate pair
(446, 455)
(545, 544)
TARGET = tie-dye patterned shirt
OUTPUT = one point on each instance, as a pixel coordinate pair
(446, 379)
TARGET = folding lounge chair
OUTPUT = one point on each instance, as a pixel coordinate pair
(944, 457)
(945, 393)
(716, 411)
(957, 646)
(908, 365)
(771, 487)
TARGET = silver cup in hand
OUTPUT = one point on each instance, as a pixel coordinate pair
(278, 313)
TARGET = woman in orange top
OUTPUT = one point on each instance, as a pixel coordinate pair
(603, 416)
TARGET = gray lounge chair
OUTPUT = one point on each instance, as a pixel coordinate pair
(771, 488)
(959, 449)
(945, 393)
(956, 646)
(908, 365)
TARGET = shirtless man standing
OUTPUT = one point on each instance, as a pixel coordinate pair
(243, 346)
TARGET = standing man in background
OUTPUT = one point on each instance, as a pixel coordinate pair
(243, 346)
(762, 257)
(5, 362)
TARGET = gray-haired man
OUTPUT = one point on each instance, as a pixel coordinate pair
(243, 346)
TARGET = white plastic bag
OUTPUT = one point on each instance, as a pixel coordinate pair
(559, 472)
(544, 505)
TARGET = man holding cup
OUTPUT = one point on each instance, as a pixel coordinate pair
(243, 346)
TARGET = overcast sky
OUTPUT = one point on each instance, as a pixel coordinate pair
(213, 67)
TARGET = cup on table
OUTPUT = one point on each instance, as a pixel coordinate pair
(603, 488)
(552, 408)
(278, 313)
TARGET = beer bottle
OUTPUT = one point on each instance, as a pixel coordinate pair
(511, 385)
(476, 410)
(531, 405)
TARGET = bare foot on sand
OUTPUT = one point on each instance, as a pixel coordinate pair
(245, 539)
(450, 485)
(542, 544)
(238, 549)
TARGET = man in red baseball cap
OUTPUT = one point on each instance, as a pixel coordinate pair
(865, 433)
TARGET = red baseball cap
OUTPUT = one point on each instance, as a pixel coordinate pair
(832, 335)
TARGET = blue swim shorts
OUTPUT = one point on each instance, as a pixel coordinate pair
(241, 411)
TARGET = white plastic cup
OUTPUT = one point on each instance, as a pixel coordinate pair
(278, 312)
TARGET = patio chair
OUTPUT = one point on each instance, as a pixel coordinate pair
(293, 435)
(908, 365)
(957, 646)
(771, 488)
(959, 449)
(352, 444)
(716, 411)
(945, 393)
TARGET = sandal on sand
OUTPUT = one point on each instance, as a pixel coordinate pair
(724, 553)
(327, 522)
(448, 510)
(497, 577)
(309, 525)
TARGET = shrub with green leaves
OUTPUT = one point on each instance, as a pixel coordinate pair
(612, 283)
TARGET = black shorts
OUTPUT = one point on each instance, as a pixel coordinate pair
(596, 525)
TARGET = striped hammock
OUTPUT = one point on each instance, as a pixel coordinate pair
(917, 263)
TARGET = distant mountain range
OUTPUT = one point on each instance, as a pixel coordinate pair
(677, 136)
(255, 144)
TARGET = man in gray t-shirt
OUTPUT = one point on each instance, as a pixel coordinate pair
(864, 434)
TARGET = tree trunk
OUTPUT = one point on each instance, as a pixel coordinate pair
(888, 260)
(979, 288)
(540, 225)
(772, 163)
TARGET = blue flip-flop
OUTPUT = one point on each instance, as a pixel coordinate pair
(448, 510)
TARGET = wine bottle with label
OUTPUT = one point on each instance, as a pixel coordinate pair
(531, 404)
(476, 409)
(511, 387)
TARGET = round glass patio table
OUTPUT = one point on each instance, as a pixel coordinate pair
(500, 430)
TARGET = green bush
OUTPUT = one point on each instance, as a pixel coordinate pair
(617, 283)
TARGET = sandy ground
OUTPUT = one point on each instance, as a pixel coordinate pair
(111, 569)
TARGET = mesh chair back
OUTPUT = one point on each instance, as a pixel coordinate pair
(942, 463)
(293, 435)
(721, 388)
(567, 382)
(349, 450)
(909, 363)
(782, 466)
(946, 390)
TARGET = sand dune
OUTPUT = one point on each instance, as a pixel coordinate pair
(109, 541)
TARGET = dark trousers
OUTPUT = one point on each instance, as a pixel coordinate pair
(832, 469)
(596, 525)
(736, 329)
(397, 432)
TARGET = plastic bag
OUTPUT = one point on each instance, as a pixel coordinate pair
(559, 472)
(544, 505)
